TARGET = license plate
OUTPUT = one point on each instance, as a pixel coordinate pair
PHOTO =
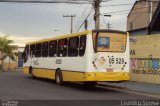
(109, 70)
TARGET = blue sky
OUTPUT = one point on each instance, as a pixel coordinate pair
(24, 22)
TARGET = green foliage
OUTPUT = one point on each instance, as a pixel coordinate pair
(6, 48)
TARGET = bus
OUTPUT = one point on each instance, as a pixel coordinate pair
(89, 57)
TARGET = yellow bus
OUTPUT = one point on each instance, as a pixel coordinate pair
(89, 57)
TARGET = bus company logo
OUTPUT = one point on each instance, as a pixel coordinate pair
(58, 61)
(36, 62)
(98, 62)
(9, 103)
(102, 60)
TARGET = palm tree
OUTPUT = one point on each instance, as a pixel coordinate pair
(7, 50)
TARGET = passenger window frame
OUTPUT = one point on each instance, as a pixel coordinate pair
(82, 53)
(45, 50)
(52, 48)
(38, 50)
(62, 53)
(76, 48)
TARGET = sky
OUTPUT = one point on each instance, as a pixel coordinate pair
(29, 22)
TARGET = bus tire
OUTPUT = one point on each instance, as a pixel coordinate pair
(90, 83)
(59, 77)
(31, 72)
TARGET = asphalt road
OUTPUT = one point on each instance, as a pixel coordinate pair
(17, 86)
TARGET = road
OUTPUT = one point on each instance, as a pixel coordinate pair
(17, 86)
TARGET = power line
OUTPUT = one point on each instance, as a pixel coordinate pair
(120, 5)
(85, 19)
(122, 22)
(82, 15)
(126, 10)
(70, 16)
(48, 1)
(117, 5)
(52, 1)
(130, 13)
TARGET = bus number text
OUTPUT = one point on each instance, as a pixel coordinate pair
(116, 60)
(58, 61)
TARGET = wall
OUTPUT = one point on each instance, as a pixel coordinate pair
(9, 66)
(142, 31)
(13, 65)
(145, 58)
(139, 16)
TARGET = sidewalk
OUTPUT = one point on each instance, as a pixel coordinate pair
(137, 86)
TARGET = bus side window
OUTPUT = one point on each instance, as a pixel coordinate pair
(62, 48)
(45, 49)
(73, 46)
(32, 50)
(38, 50)
(82, 45)
(52, 48)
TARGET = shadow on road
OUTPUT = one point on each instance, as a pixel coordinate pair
(77, 86)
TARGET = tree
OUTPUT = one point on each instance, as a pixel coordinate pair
(7, 50)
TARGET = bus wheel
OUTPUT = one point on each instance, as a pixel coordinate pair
(31, 72)
(90, 83)
(59, 77)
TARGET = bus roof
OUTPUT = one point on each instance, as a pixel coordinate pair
(110, 31)
(62, 37)
(75, 34)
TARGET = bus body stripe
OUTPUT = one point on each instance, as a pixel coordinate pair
(80, 76)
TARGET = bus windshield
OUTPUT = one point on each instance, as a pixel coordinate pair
(110, 42)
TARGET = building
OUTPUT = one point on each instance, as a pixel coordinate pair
(144, 43)
(154, 26)
(140, 17)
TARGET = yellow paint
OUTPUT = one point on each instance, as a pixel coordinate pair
(145, 47)
(107, 76)
(73, 76)
(62, 37)
(43, 73)
(80, 76)
(116, 41)
(95, 76)
(11, 66)
(25, 70)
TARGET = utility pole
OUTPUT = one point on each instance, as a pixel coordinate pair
(86, 24)
(151, 4)
(109, 26)
(97, 13)
(150, 9)
(71, 16)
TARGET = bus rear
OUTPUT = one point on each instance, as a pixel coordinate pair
(110, 60)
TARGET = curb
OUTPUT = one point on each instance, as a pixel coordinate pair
(127, 88)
